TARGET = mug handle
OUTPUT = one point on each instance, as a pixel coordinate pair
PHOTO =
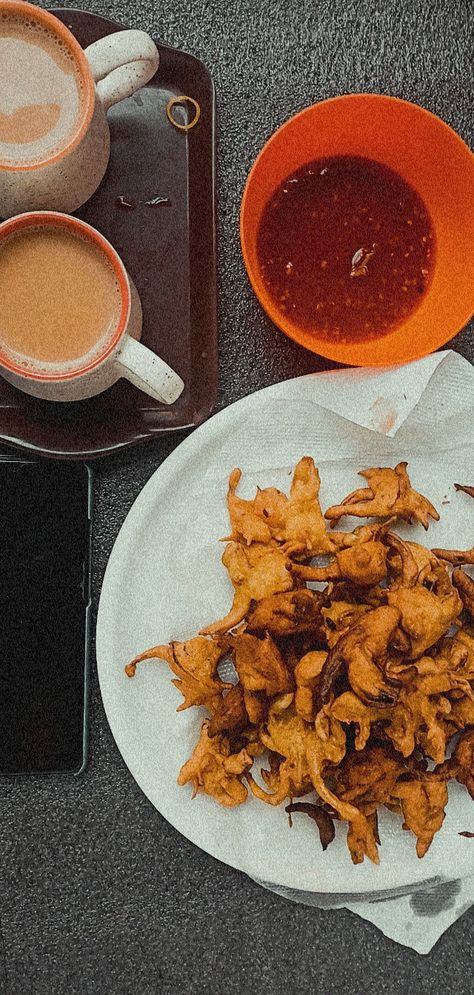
(148, 372)
(121, 63)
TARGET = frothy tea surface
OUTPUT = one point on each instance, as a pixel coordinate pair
(41, 93)
(60, 299)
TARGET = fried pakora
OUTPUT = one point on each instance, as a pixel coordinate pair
(249, 519)
(327, 746)
(195, 665)
(230, 715)
(465, 488)
(362, 652)
(362, 564)
(462, 761)
(287, 614)
(300, 522)
(424, 616)
(348, 708)
(353, 692)
(319, 815)
(368, 778)
(215, 770)
(258, 662)
(465, 587)
(339, 616)
(418, 720)
(297, 521)
(307, 673)
(457, 557)
(256, 572)
(422, 804)
(285, 733)
(389, 494)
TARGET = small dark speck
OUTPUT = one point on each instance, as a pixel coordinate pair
(469, 836)
(405, 397)
(446, 502)
(138, 100)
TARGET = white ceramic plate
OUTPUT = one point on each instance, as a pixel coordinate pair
(164, 581)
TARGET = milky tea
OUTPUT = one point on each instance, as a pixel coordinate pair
(41, 92)
(60, 299)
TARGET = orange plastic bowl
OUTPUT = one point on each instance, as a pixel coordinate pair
(426, 153)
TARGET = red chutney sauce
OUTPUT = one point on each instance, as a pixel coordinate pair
(346, 248)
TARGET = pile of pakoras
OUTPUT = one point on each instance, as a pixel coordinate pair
(353, 690)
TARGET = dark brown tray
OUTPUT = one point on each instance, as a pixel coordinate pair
(169, 251)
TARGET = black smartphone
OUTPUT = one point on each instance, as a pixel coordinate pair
(45, 530)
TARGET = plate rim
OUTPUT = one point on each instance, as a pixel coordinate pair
(160, 479)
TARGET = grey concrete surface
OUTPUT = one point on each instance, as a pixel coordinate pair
(98, 894)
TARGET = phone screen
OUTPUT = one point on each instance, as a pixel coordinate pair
(45, 511)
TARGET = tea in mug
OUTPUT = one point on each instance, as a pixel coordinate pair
(60, 299)
(41, 92)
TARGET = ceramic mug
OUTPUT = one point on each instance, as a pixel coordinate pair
(108, 71)
(119, 355)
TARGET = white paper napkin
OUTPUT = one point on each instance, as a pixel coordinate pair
(416, 919)
(393, 413)
(377, 399)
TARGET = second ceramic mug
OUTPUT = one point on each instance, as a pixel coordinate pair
(24, 284)
(108, 71)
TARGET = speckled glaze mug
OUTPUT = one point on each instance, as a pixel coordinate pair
(63, 176)
(118, 353)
